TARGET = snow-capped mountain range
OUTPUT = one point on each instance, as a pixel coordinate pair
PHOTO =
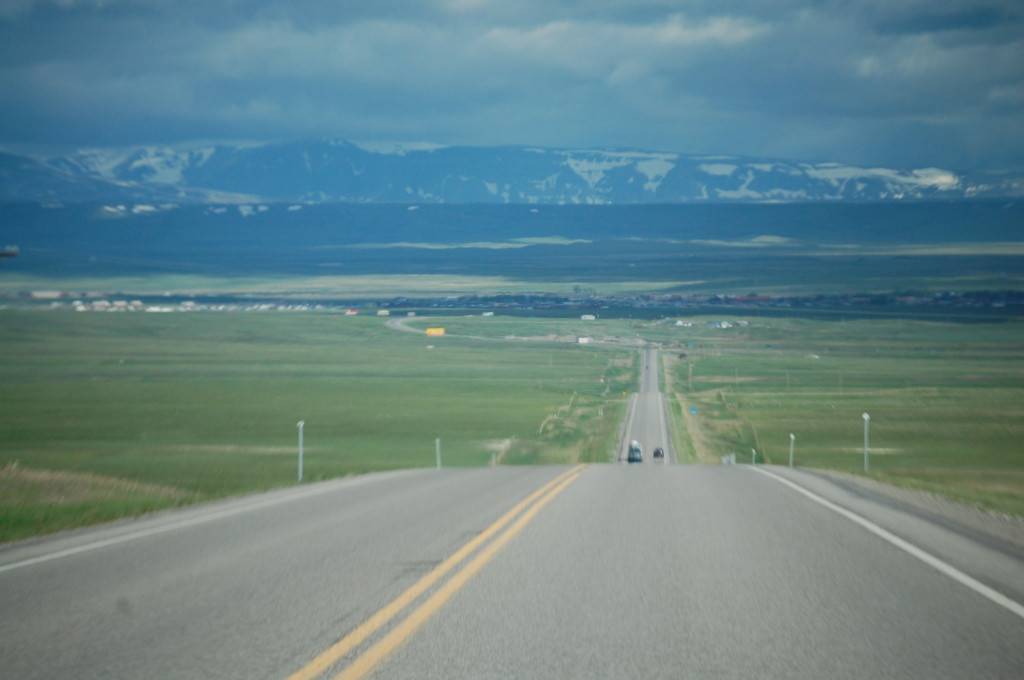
(340, 171)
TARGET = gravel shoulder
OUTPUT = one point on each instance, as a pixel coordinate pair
(1000, 530)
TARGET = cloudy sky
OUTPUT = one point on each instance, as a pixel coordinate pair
(902, 83)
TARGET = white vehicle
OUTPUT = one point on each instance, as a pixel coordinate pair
(636, 452)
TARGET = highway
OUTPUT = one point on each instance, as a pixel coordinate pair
(599, 571)
(647, 421)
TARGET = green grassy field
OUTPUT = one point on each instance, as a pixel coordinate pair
(946, 401)
(108, 415)
(103, 415)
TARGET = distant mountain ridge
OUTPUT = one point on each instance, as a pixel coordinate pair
(325, 171)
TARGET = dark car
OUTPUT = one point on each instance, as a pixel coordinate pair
(659, 453)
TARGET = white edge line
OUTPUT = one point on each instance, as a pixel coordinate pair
(203, 518)
(929, 559)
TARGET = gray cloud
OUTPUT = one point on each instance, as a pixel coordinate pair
(904, 83)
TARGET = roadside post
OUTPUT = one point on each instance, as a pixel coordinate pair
(301, 424)
(753, 456)
(867, 420)
(437, 451)
(792, 439)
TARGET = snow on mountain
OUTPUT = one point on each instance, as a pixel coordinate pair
(718, 169)
(896, 181)
(314, 171)
(397, 148)
(593, 165)
(159, 166)
(655, 169)
(143, 164)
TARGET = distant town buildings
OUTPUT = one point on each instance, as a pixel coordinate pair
(644, 306)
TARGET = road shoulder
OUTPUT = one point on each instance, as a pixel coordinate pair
(989, 546)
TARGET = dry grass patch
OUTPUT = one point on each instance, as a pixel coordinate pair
(20, 486)
(499, 447)
(1000, 490)
(235, 448)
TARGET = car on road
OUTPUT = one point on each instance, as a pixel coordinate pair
(659, 453)
(635, 453)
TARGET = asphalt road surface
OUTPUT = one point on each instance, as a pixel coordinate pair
(601, 571)
(647, 421)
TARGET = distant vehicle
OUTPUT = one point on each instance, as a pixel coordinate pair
(659, 453)
(636, 452)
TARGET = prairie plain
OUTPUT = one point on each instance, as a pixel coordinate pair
(110, 415)
(177, 408)
(945, 399)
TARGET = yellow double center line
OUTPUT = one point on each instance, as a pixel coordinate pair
(518, 517)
